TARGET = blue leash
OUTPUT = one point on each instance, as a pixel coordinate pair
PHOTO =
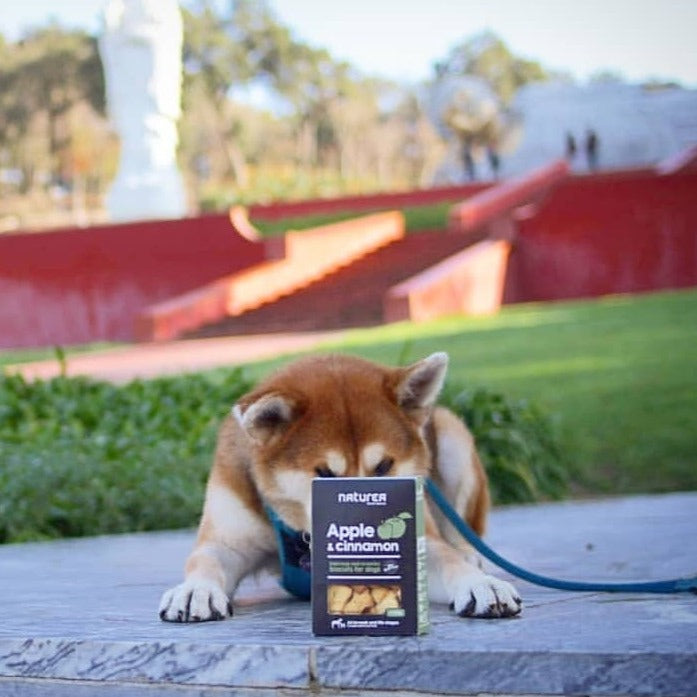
(676, 585)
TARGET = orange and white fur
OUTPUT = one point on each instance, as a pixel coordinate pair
(337, 416)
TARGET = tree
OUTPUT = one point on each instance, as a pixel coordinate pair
(247, 44)
(307, 77)
(470, 99)
(213, 63)
(485, 55)
(42, 78)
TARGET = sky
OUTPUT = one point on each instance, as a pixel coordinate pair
(402, 39)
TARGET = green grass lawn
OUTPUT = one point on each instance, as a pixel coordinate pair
(619, 374)
(433, 216)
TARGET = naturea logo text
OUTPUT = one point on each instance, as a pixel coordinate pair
(370, 498)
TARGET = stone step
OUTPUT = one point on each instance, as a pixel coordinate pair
(85, 610)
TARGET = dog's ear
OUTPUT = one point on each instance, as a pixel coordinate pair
(419, 384)
(264, 417)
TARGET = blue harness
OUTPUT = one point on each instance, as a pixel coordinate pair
(294, 556)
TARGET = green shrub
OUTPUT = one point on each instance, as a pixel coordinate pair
(517, 442)
(82, 457)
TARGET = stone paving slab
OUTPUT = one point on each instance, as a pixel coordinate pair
(81, 615)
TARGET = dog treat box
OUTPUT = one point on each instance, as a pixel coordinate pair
(368, 556)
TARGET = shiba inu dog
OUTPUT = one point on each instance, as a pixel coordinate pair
(335, 416)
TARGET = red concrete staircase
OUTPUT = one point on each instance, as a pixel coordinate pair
(363, 271)
(418, 277)
(352, 296)
(295, 260)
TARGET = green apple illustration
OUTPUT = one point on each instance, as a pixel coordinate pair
(393, 528)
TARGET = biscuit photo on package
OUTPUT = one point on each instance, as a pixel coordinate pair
(363, 600)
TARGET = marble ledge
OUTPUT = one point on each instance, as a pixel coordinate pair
(368, 665)
(231, 665)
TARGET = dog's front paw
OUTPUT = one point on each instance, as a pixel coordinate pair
(485, 597)
(195, 601)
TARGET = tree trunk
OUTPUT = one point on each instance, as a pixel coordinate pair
(238, 164)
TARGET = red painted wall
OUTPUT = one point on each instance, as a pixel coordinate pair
(75, 286)
(592, 235)
(609, 233)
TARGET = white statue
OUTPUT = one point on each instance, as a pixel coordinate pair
(141, 51)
